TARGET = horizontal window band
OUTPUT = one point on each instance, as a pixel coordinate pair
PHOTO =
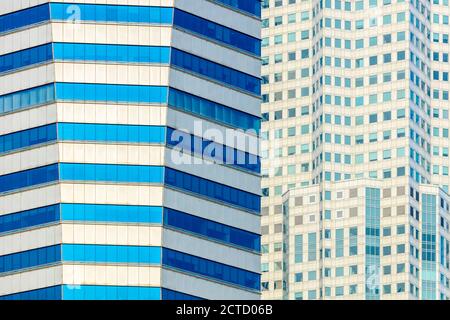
(25, 17)
(47, 293)
(111, 213)
(94, 132)
(210, 269)
(81, 253)
(27, 57)
(102, 292)
(123, 14)
(111, 173)
(99, 292)
(143, 54)
(129, 214)
(119, 93)
(73, 12)
(210, 150)
(27, 98)
(167, 294)
(217, 32)
(21, 220)
(111, 133)
(211, 229)
(140, 255)
(88, 253)
(249, 6)
(110, 52)
(28, 178)
(66, 91)
(213, 190)
(215, 71)
(212, 110)
(130, 174)
(26, 138)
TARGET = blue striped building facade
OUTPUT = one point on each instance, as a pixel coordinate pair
(93, 201)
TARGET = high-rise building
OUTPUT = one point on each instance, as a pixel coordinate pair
(114, 180)
(355, 170)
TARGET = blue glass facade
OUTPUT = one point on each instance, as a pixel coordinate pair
(28, 178)
(215, 71)
(217, 32)
(113, 13)
(24, 58)
(111, 133)
(49, 293)
(29, 218)
(132, 15)
(111, 254)
(27, 98)
(211, 269)
(110, 52)
(213, 111)
(213, 151)
(27, 138)
(85, 292)
(177, 99)
(211, 229)
(212, 190)
(112, 108)
(111, 93)
(105, 13)
(130, 173)
(30, 258)
(128, 134)
(249, 6)
(111, 213)
(139, 255)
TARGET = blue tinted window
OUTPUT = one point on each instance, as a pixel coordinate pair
(111, 253)
(111, 132)
(111, 52)
(92, 292)
(30, 258)
(22, 18)
(211, 229)
(250, 6)
(212, 110)
(175, 295)
(111, 213)
(212, 151)
(28, 178)
(24, 58)
(216, 71)
(48, 293)
(111, 173)
(212, 190)
(111, 13)
(217, 32)
(110, 92)
(27, 98)
(211, 269)
(27, 138)
(29, 218)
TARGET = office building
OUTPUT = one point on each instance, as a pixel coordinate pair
(109, 111)
(355, 170)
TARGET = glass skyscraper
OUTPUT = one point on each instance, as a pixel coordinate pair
(355, 159)
(109, 111)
